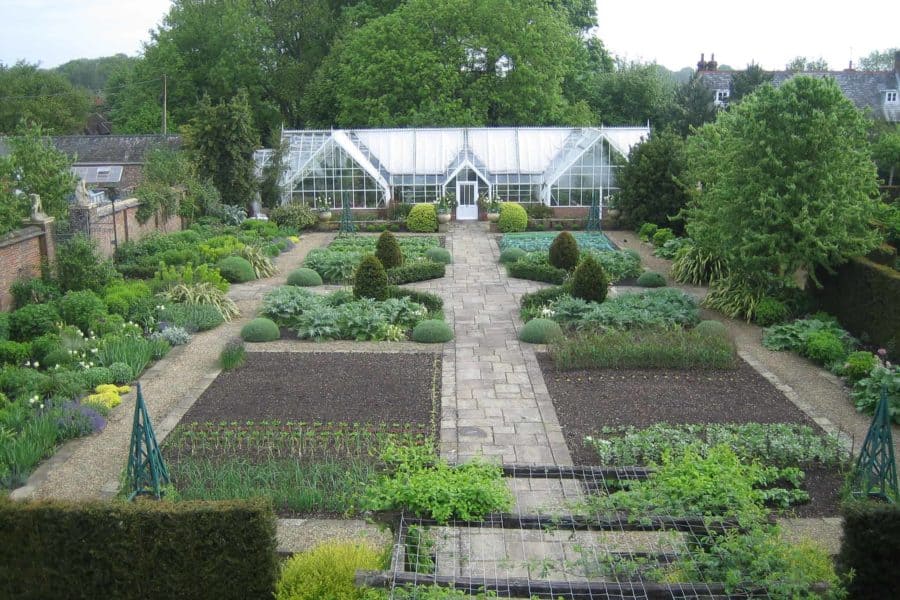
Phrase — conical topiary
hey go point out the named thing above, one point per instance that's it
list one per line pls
(388, 250)
(590, 281)
(370, 280)
(564, 251)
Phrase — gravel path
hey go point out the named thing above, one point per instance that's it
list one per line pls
(827, 394)
(90, 468)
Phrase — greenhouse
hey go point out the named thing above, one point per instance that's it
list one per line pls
(371, 168)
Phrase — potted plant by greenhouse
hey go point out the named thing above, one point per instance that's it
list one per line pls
(324, 205)
(493, 209)
(445, 204)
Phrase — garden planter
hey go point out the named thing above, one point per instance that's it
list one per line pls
(443, 218)
(325, 216)
(493, 217)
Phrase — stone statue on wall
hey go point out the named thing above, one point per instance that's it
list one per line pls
(37, 209)
(81, 194)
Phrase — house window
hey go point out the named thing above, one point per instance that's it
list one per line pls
(890, 97)
(722, 96)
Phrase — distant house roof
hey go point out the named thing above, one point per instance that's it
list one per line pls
(866, 89)
(107, 149)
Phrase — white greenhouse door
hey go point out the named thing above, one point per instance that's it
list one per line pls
(466, 194)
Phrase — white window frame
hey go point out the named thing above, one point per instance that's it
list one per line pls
(890, 97)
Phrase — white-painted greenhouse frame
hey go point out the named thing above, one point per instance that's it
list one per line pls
(371, 168)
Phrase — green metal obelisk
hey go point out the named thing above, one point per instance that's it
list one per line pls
(593, 223)
(147, 472)
(876, 469)
(347, 225)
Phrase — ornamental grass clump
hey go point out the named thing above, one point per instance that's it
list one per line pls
(260, 330)
(590, 282)
(233, 355)
(564, 251)
(388, 251)
(370, 280)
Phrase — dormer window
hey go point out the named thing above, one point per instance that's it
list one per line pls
(890, 97)
(722, 97)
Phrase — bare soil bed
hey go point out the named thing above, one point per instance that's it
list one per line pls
(351, 387)
(587, 400)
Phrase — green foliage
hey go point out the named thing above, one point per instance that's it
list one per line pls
(427, 486)
(858, 365)
(327, 571)
(121, 373)
(824, 347)
(432, 302)
(370, 280)
(387, 250)
(304, 277)
(432, 331)
(513, 218)
(646, 231)
(770, 311)
(79, 265)
(651, 279)
(122, 297)
(711, 329)
(416, 271)
(523, 269)
(390, 71)
(33, 290)
(208, 551)
(439, 255)
(192, 317)
(422, 218)
(295, 215)
(644, 349)
(869, 549)
(769, 221)
(260, 330)
(511, 255)
(133, 351)
(538, 210)
(777, 444)
(168, 276)
(697, 266)
(542, 297)
(81, 309)
(564, 252)
(864, 296)
(540, 331)
(632, 92)
(736, 296)
(223, 137)
(744, 83)
(263, 266)
(170, 183)
(693, 105)
(14, 353)
(649, 189)
(867, 391)
(4, 326)
(661, 236)
(589, 281)
(233, 355)
(236, 269)
(32, 321)
(665, 308)
(22, 381)
(669, 250)
(41, 96)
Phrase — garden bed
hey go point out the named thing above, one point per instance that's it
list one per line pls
(588, 400)
(328, 387)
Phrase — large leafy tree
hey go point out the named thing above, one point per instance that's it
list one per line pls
(452, 62)
(743, 83)
(632, 94)
(33, 166)
(692, 107)
(886, 151)
(223, 138)
(801, 64)
(878, 60)
(30, 94)
(92, 73)
(786, 182)
(649, 186)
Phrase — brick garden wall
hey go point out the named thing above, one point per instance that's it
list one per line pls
(21, 252)
(109, 228)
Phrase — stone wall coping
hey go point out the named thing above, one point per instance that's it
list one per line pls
(121, 205)
(20, 235)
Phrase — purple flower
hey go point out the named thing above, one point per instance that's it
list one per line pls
(882, 352)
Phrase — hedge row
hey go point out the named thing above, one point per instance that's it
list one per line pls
(143, 550)
(416, 271)
(536, 272)
(870, 546)
(864, 297)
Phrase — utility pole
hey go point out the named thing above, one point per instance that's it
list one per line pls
(165, 103)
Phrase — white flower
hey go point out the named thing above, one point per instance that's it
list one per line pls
(36, 364)
(94, 350)
(27, 363)
(42, 406)
(32, 400)
(57, 366)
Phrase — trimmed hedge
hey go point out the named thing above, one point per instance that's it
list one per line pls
(439, 255)
(564, 251)
(416, 271)
(422, 218)
(542, 297)
(536, 272)
(260, 329)
(870, 546)
(432, 331)
(511, 255)
(140, 551)
(651, 279)
(432, 302)
(388, 250)
(590, 282)
(512, 218)
(236, 269)
(540, 331)
(864, 296)
(370, 280)
(304, 277)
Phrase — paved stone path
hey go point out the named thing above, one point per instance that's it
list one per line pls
(495, 403)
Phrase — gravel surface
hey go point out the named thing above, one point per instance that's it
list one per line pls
(96, 462)
(325, 387)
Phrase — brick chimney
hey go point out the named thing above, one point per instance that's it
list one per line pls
(712, 65)
(701, 66)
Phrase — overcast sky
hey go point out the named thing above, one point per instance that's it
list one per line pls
(671, 32)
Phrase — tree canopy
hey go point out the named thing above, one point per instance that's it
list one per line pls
(632, 93)
(801, 64)
(878, 60)
(452, 62)
(34, 95)
(743, 83)
(786, 181)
